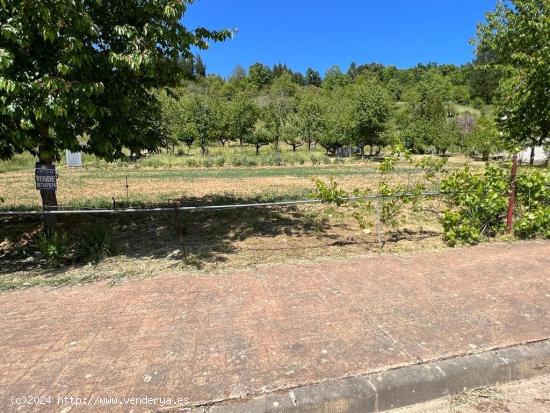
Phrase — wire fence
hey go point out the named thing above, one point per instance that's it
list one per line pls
(183, 208)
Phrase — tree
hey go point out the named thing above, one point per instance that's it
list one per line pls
(220, 113)
(311, 117)
(371, 111)
(352, 70)
(242, 116)
(290, 132)
(428, 127)
(485, 138)
(260, 75)
(173, 117)
(78, 75)
(283, 85)
(200, 67)
(334, 78)
(482, 77)
(517, 35)
(313, 78)
(200, 121)
(339, 126)
(276, 114)
(260, 136)
(237, 74)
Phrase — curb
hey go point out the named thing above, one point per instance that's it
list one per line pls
(400, 387)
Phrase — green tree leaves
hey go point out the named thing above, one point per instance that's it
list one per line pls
(517, 35)
(78, 75)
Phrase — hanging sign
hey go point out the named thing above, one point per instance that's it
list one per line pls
(45, 177)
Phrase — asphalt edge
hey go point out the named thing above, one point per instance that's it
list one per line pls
(401, 387)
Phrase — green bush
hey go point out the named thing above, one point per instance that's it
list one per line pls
(95, 244)
(275, 159)
(251, 161)
(533, 205)
(478, 205)
(220, 161)
(208, 162)
(53, 247)
(533, 224)
(317, 159)
(192, 162)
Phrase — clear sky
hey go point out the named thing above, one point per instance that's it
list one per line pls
(322, 33)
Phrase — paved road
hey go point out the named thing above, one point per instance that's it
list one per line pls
(210, 338)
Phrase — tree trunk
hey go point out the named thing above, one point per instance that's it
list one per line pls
(293, 148)
(257, 150)
(362, 152)
(532, 157)
(49, 198)
(371, 149)
(485, 156)
(309, 145)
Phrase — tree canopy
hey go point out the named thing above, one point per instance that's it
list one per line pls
(78, 75)
(517, 36)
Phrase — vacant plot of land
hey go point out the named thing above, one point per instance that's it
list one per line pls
(214, 241)
(98, 187)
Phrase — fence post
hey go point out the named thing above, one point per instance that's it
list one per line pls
(178, 228)
(378, 222)
(512, 198)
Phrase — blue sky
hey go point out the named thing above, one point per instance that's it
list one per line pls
(322, 33)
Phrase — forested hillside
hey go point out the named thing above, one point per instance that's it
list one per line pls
(429, 108)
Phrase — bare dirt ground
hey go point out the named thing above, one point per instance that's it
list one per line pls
(530, 396)
(278, 326)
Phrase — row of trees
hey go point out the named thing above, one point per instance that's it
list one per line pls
(338, 112)
(469, 83)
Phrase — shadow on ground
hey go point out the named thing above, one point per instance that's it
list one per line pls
(207, 235)
(212, 240)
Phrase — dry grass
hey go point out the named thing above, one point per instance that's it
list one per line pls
(214, 241)
(97, 187)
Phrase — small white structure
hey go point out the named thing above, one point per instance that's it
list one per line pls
(74, 159)
(540, 155)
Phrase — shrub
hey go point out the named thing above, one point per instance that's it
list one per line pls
(250, 161)
(533, 224)
(208, 162)
(316, 159)
(53, 247)
(192, 162)
(387, 165)
(533, 205)
(274, 160)
(477, 205)
(220, 161)
(95, 244)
